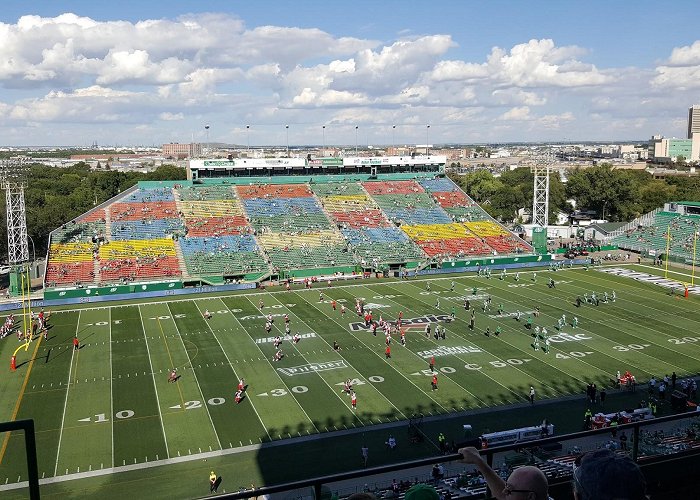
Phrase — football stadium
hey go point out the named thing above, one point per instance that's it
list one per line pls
(275, 320)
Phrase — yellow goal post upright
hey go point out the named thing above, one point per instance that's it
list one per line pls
(668, 248)
(26, 317)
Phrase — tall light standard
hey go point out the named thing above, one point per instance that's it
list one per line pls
(206, 128)
(287, 127)
(356, 127)
(247, 138)
(393, 138)
(33, 250)
(323, 127)
(427, 140)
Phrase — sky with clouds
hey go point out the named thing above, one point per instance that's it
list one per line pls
(374, 72)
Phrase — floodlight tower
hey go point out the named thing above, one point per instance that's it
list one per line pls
(540, 201)
(540, 198)
(13, 175)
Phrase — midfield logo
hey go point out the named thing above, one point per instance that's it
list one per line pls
(422, 320)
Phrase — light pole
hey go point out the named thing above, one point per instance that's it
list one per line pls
(356, 127)
(323, 127)
(427, 140)
(393, 138)
(605, 202)
(206, 127)
(247, 138)
(287, 127)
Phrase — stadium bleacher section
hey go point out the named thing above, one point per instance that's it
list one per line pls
(138, 260)
(228, 255)
(193, 230)
(653, 237)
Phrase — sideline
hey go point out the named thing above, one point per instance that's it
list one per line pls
(19, 398)
(282, 442)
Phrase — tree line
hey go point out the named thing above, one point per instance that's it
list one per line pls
(54, 196)
(614, 194)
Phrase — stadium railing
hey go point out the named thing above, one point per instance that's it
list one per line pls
(321, 487)
(30, 448)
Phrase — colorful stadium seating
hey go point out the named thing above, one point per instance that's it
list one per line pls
(138, 260)
(189, 231)
(227, 255)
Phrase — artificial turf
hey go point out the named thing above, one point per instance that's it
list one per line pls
(109, 405)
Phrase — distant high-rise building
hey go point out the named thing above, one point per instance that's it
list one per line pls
(693, 120)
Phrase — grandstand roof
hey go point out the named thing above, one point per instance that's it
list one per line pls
(691, 203)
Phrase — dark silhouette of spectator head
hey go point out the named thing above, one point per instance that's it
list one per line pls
(363, 495)
(422, 492)
(606, 475)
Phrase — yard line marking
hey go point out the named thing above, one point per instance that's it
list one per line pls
(269, 363)
(170, 357)
(111, 389)
(206, 407)
(20, 396)
(418, 299)
(349, 364)
(65, 403)
(608, 341)
(374, 351)
(160, 416)
(234, 371)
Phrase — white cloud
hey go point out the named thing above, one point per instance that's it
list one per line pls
(685, 56)
(171, 117)
(213, 68)
(517, 114)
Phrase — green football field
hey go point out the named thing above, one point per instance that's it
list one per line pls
(110, 407)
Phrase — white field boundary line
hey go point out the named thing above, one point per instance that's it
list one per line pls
(193, 295)
(111, 384)
(268, 362)
(235, 375)
(194, 374)
(155, 388)
(282, 442)
(320, 337)
(65, 403)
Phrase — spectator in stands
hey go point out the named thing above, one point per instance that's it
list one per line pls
(421, 492)
(605, 475)
(530, 482)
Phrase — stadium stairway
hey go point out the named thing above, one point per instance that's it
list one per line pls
(108, 223)
(181, 261)
(96, 270)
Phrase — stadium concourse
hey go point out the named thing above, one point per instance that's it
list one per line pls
(234, 230)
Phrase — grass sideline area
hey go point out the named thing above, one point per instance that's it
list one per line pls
(109, 405)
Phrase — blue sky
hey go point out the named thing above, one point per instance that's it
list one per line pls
(127, 73)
